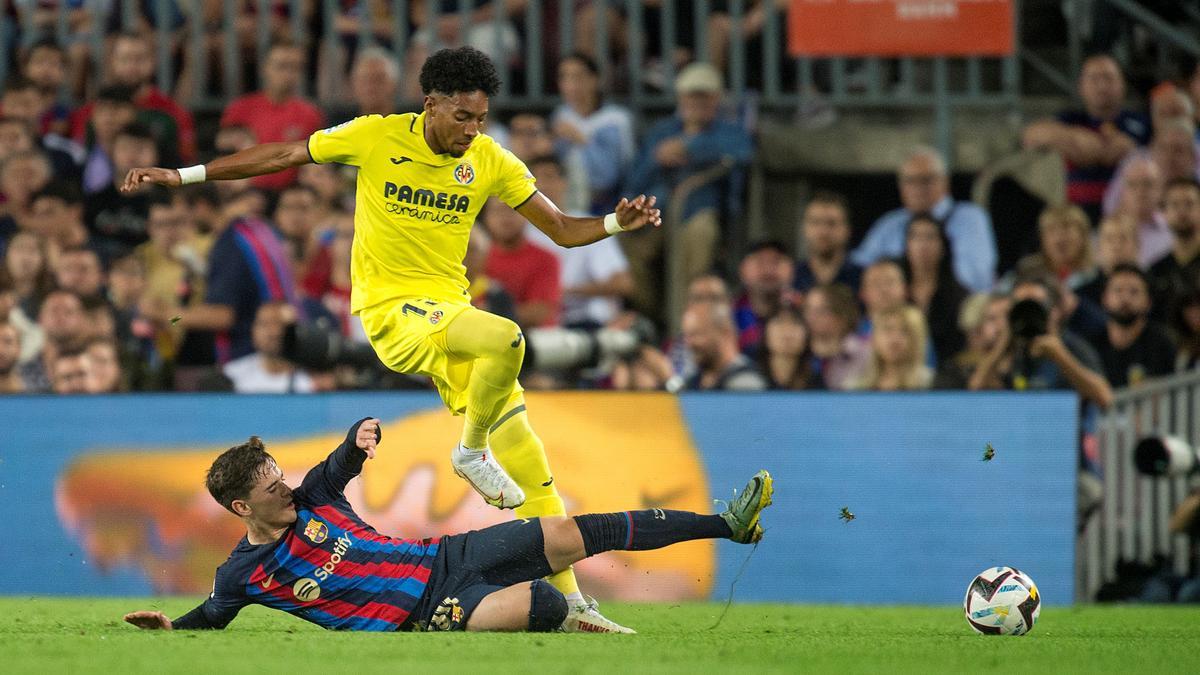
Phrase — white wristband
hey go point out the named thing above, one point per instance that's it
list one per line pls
(192, 174)
(611, 225)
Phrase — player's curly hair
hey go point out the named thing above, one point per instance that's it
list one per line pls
(233, 474)
(455, 71)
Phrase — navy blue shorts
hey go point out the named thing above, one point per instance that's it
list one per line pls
(475, 564)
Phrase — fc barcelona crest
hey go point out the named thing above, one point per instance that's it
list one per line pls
(316, 531)
(464, 173)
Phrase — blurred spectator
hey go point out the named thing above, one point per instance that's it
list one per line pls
(594, 136)
(1173, 150)
(1171, 275)
(1055, 359)
(104, 365)
(1092, 140)
(61, 319)
(113, 111)
(1141, 200)
(786, 356)
(296, 216)
(1132, 348)
(932, 287)
(673, 150)
(1185, 323)
(99, 321)
(173, 255)
(884, 288)
(246, 267)
(10, 351)
(126, 287)
(825, 230)
(1116, 244)
(117, 219)
(708, 288)
(982, 319)
(56, 213)
(70, 372)
(486, 293)
(21, 175)
(708, 332)
(439, 24)
(375, 81)
(897, 361)
(648, 370)
(277, 113)
(27, 266)
(326, 180)
(44, 63)
(595, 279)
(22, 101)
(79, 271)
(527, 271)
(839, 355)
(131, 64)
(1168, 101)
(15, 136)
(265, 371)
(30, 335)
(528, 136)
(925, 188)
(327, 277)
(1066, 246)
(767, 273)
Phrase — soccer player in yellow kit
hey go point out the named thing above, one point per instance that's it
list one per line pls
(422, 180)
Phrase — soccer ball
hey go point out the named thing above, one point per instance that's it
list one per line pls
(1002, 601)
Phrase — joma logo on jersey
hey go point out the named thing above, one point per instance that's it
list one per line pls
(405, 194)
(342, 545)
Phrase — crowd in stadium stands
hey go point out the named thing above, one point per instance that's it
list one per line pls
(196, 288)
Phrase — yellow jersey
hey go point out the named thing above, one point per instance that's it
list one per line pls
(414, 209)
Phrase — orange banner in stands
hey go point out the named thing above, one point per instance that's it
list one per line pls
(900, 27)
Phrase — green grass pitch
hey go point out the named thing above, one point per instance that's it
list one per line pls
(57, 635)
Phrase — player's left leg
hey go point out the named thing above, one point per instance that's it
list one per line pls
(523, 456)
(535, 606)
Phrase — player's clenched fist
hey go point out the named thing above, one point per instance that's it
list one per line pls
(153, 175)
(367, 437)
(149, 620)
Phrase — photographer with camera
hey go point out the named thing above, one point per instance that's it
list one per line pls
(1033, 352)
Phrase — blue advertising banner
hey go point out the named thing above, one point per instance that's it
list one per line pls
(105, 495)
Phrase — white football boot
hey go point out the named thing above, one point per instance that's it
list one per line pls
(585, 617)
(488, 478)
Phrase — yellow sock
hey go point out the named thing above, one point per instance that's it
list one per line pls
(496, 346)
(523, 456)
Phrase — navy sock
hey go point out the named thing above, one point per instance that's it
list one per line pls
(645, 530)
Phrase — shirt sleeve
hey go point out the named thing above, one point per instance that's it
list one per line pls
(347, 143)
(221, 607)
(878, 242)
(514, 183)
(606, 259)
(326, 482)
(974, 244)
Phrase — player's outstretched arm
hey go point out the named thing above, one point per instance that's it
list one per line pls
(253, 161)
(569, 231)
(149, 620)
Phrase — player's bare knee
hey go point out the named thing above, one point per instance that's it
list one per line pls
(547, 607)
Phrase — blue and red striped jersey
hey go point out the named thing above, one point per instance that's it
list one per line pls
(331, 568)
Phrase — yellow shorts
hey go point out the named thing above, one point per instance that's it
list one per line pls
(402, 332)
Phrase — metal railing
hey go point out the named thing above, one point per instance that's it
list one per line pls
(1132, 521)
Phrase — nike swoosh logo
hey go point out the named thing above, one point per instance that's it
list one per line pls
(517, 343)
(267, 583)
(549, 482)
(402, 160)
